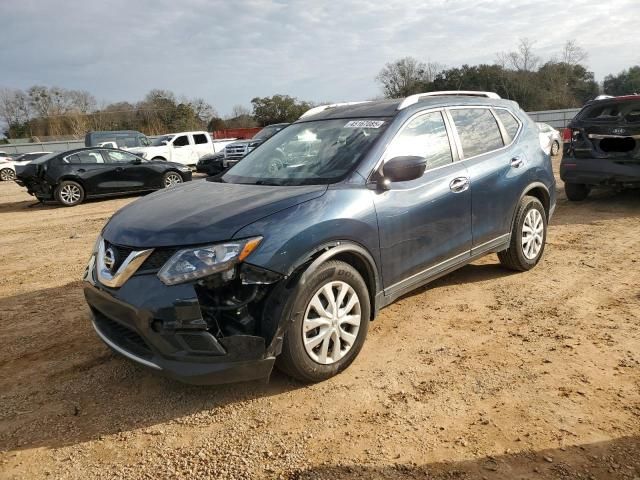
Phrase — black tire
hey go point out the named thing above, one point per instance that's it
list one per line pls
(576, 192)
(69, 193)
(294, 359)
(166, 179)
(7, 174)
(514, 257)
(159, 158)
(555, 148)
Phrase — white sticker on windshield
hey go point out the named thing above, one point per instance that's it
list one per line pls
(364, 124)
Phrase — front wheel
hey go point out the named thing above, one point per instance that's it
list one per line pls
(69, 193)
(171, 179)
(576, 192)
(7, 174)
(555, 148)
(528, 236)
(331, 313)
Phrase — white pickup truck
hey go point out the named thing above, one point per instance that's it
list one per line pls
(184, 147)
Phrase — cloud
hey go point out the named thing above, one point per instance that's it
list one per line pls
(229, 52)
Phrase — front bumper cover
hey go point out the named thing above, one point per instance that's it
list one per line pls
(161, 327)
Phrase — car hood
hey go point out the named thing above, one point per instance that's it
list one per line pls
(245, 142)
(200, 212)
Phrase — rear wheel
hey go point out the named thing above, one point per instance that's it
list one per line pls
(69, 193)
(555, 148)
(576, 192)
(171, 179)
(7, 174)
(331, 317)
(528, 236)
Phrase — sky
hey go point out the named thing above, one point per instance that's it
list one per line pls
(228, 52)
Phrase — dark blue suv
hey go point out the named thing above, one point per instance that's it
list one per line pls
(287, 257)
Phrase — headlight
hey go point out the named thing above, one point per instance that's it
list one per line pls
(193, 263)
(184, 169)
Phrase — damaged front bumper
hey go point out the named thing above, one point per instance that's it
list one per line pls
(209, 332)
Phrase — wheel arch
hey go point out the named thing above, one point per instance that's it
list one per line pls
(159, 157)
(349, 252)
(72, 178)
(541, 192)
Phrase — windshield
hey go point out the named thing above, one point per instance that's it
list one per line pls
(161, 140)
(267, 132)
(309, 153)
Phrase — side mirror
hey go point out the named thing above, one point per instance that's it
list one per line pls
(403, 169)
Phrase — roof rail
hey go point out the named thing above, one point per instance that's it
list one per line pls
(411, 99)
(321, 108)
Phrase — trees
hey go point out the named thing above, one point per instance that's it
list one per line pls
(407, 76)
(520, 75)
(624, 83)
(278, 109)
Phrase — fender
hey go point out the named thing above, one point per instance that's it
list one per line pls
(549, 208)
(333, 249)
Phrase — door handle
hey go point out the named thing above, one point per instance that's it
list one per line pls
(81, 170)
(459, 184)
(516, 162)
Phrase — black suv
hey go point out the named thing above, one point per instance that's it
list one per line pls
(292, 252)
(604, 147)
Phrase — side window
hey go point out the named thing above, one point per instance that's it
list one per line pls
(424, 136)
(511, 125)
(477, 129)
(114, 156)
(199, 138)
(84, 158)
(181, 141)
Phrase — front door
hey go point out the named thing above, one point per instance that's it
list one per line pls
(424, 224)
(182, 150)
(130, 172)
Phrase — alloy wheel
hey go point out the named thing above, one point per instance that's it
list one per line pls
(532, 234)
(70, 194)
(331, 322)
(172, 180)
(7, 174)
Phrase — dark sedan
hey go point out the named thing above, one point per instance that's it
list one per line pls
(70, 177)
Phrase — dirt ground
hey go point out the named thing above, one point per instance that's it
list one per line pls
(482, 374)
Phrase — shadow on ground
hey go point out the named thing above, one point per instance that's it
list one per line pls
(615, 459)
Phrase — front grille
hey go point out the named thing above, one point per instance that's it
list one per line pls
(156, 260)
(123, 336)
(235, 152)
(120, 254)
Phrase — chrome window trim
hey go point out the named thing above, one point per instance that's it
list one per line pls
(95, 150)
(128, 267)
(122, 351)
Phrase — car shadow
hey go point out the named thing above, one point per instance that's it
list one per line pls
(56, 374)
(617, 458)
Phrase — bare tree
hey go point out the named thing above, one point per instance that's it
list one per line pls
(573, 54)
(407, 76)
(522, 60)
(14, 107)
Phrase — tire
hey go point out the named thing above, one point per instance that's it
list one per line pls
(576, 192)
(6, 174)
(522, 256)
(171, 179)
(69, 193)
(555, 148)
(315, 362)
(159, 158)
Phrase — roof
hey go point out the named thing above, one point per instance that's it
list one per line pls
(389, 108)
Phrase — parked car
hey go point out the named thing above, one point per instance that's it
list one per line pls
(550, 138)
(604, 147)
(72, 176)
(211, 163)
(185, 147)
(291, 253)
(122, 139)
(236, 151)
(8, 166)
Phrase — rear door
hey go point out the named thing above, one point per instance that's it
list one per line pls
(202, 145)
(496, 166)
(424, 224)
(92, 170)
